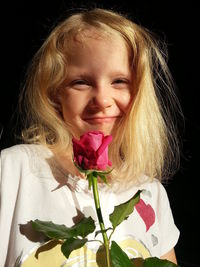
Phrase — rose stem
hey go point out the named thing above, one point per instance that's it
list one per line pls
(100, 218)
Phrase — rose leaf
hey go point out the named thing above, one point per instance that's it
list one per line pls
(153, 261)
(57, 231)
(51, 229)
(122, 211)
(72, 244)
(103, 178)
(119, 257)
(138, 262)
(83, 228)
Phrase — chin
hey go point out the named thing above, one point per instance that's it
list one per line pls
(105, 130)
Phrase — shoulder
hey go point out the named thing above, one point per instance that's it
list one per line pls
(20, 164)
(155, 187)
(14, 150)
(23, 151)
(156, 191)
(148, 187)
(152, 192)
(14, 159)
(13, 155)
(22, 156)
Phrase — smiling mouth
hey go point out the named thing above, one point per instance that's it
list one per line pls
(100, 120)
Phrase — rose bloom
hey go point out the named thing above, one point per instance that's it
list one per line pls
(91, 151)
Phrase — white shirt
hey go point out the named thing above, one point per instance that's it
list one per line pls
(33, 186)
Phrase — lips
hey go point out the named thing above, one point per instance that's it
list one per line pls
(100, 120)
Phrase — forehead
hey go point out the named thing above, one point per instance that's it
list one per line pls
(102, 32)
(82, 38)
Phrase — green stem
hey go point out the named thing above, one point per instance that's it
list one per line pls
(100, 218)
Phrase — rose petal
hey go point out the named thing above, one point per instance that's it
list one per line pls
(91, 151)
(106, 141)
(92, 140)
(109, 163)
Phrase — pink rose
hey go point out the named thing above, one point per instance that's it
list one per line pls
(91, 152)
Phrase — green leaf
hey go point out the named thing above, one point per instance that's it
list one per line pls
(101, 256)
(83, 228)
(153, 261)
(119, 257)
(105, 172)
(72, 244)
(122, 211)
(56, 231)
(138, 262)
(103, 178)
(51, 229)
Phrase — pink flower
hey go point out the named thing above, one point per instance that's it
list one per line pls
(91, 151)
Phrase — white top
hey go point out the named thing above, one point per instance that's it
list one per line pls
(34, 186)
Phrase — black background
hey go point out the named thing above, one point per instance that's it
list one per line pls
(24, 26)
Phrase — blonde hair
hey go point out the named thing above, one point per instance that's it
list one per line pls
(145, 141)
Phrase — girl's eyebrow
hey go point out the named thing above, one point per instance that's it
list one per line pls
(124, 74)
(81, 73)
(121, 73)
(77, 73)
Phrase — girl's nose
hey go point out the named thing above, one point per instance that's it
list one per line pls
(102, 98)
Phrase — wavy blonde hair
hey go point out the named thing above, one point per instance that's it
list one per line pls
(145, 142)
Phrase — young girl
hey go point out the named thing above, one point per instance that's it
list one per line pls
(97, 70)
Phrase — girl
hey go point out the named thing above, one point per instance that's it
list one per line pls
(97, 70)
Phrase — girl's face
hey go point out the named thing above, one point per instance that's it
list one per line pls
(97, 90)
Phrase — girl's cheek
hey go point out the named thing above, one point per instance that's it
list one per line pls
(125, 101)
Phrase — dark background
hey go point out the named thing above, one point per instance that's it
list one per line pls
(24, 26)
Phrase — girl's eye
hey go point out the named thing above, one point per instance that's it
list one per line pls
(79, 84)
(121, 83)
